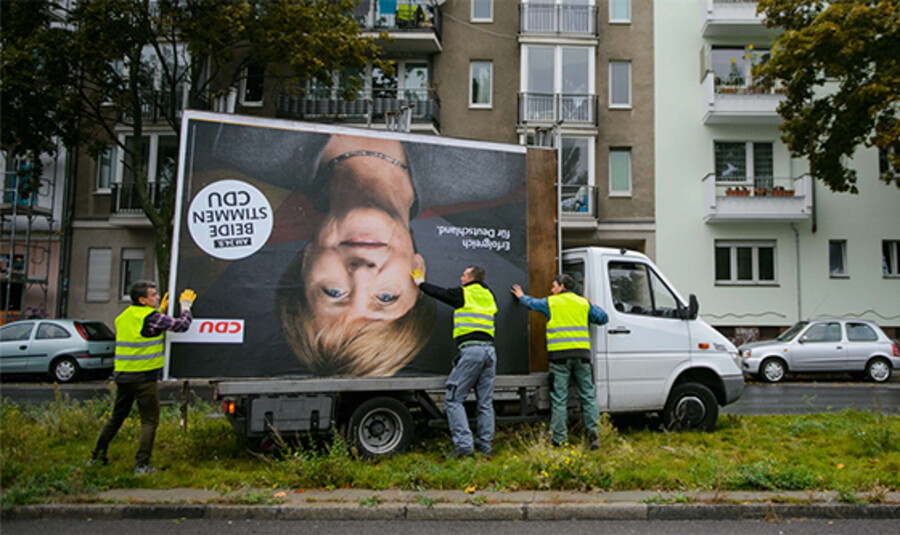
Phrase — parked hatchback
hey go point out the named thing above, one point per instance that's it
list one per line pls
(825, 345)
(62, 348)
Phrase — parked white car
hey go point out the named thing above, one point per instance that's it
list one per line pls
(825, 345)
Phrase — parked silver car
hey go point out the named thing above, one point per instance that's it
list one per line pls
(825, 345)
(62, 348)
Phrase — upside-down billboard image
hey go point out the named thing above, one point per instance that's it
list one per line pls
(299, 240)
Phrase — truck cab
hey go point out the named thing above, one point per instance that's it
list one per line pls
(656, 353)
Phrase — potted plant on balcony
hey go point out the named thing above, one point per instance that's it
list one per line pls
(779, 191)
(737, 191)
(760, 192)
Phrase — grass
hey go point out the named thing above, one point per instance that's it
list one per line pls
(43, 453)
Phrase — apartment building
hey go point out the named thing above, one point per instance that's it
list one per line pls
(740, 222)
(573, 74)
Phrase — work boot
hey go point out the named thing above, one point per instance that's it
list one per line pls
(595, 442)
(458, 454)
(98, 460)
(144, 470)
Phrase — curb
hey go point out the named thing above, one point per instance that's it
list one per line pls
(756, 511)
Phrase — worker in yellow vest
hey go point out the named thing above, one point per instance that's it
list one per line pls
(476, 363)
(140, 332)
(569, 352)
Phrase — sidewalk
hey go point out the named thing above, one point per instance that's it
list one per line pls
(357, 504)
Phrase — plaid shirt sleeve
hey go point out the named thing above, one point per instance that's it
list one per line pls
(158, 322)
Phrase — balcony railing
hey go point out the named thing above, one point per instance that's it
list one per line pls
(370, 105)
(557, 19)
(760, 198)
(552, 107)
(400, 16)
(124, 198)
(733, 18)
(24, 196)
(579, 201)
(739, 103)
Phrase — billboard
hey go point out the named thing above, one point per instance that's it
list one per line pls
(299, 240)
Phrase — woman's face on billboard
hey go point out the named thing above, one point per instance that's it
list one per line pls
(358, 265)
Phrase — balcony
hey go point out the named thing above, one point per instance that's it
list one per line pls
(757, 199)
(414, 26)
(564, 20)
(734, 18)
(578, 206)
(549, 108)
(325, 105)
(125, 206)
(740, 104)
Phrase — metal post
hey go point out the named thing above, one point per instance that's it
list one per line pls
(559, 258)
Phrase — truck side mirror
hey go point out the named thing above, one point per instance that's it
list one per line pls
(689, 312)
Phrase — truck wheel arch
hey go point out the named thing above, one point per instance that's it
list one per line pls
(704, 376)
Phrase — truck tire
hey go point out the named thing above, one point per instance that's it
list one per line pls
(690, 406)
(381, 426)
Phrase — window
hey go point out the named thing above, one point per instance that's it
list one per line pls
(482, 10)
(620, 172)
(823, 332)
(745, 263)
(15, 332)
(106, 168)
(131, 272)
(745, 161)
(576, 271)
(637, 289)
(619, 11)
(48, 331)
(558, 83)
(860, 332)
(576, 167)
(620, 84)
(252, 85)
(481, 75)
(732, 65)
(837, 258)
(890, 258)
(98, 274)
(160, 155)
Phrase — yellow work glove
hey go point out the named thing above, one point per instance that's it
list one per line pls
(187, 299)
(164, 303)
(418, 276)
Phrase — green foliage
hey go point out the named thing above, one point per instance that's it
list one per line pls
(372, 501)
(774, 475)
(839, 64)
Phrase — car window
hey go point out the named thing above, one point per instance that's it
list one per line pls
(860, 332)
(51, 330)
(637, 289)
(16, 331)
(824, 332)
(576, 271)
(789, 334)
(96, 331)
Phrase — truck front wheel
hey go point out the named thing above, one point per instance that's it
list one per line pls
(691, 406)
(381, 426)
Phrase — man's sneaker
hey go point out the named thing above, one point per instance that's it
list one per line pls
(98, 460)
(458, 454)
(144, 470)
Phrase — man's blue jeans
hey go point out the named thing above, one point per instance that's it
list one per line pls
(475, 366)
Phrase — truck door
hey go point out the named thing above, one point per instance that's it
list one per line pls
(575, 266)
(645, 339)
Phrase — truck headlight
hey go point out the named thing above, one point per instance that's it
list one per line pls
(736, 356)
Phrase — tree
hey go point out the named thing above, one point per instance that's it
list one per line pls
(839, 62)
(138, 62)
(36, 104)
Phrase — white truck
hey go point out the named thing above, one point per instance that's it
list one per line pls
(655, 354)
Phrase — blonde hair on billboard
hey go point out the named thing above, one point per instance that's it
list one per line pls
(358, 348)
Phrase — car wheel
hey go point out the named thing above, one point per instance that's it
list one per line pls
(691, 406)
(772, 370)
(878, 370)
(64, 370)
(381, 426)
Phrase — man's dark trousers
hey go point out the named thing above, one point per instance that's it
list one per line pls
(147, 397)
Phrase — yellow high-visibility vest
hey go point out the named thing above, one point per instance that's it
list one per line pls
(568, 325)
(477, 313)
(135, 353)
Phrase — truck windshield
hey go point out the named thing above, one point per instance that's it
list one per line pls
(791, 333)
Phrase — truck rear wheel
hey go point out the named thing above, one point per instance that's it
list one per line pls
(381, 426)
(691, 406)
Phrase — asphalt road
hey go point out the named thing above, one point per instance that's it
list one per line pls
(799, 396)
(412, 527)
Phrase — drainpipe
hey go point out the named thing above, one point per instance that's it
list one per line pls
(797, 247)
